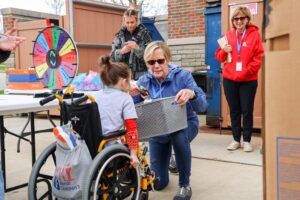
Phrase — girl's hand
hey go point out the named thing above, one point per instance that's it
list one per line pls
(184, 95)
(138, 90)
(227, 48)
(134, 159)
(134, 91)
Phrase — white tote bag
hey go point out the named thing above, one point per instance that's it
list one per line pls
(71, 166)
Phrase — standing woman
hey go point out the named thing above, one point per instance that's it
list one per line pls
(241, 74)
(130, 42)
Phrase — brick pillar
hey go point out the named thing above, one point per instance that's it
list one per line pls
(186, 36)
(8, 23)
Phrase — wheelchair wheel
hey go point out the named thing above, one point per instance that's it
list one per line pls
(39, 185)
(111, 176)
(144, 195)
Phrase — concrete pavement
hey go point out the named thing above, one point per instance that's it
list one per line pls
(217, 174)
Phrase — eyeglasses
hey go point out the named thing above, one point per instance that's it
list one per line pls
(239, 18)
(159, 61)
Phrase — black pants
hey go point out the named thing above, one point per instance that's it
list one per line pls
(240, 97)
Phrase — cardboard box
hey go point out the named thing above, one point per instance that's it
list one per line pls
(282, 102)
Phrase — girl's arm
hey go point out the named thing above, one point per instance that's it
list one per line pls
(132, 136)
(132, 139)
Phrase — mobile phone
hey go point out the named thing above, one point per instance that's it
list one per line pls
(143, 91)
(2, 37)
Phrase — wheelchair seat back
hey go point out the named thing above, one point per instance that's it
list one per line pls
(86, 122)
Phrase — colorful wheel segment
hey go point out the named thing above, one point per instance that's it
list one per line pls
(55, 58)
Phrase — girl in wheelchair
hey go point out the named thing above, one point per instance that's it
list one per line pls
(116, 106)
(118, 171)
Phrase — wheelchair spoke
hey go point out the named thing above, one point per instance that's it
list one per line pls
(46, 195)
(123, 174)
(54, 158)
(115, 169)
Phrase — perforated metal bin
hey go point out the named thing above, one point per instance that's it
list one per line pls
(160, 117)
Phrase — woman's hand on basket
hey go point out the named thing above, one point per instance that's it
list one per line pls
(184, 95)
(134, 159)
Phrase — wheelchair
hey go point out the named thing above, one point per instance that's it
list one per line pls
(110, 176)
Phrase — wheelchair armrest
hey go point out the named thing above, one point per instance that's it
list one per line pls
(114, 134)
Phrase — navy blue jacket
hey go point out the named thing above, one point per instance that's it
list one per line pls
(4, 55)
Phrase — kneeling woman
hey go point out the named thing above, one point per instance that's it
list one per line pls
(164, 80)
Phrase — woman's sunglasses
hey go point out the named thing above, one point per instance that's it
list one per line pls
(239, 18)
(159, 61)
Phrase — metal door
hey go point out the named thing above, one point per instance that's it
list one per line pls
(150, 26)
(212, 33)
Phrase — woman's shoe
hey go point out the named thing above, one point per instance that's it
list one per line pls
(234, 145)
(247, 147)
(184, 193)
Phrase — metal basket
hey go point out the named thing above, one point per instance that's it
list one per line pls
(160, 117)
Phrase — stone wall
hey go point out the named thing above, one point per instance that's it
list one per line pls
(188, 52)
(161, 23)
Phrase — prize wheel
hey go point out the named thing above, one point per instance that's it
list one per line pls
(55, 58)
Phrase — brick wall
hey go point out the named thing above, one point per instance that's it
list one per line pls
(186, 33)
(13, 15)
(186, 18)
(8, 23)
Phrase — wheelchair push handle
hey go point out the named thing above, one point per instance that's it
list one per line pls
(47, 100)
(83, 99)
(80, 100)
(50, 98)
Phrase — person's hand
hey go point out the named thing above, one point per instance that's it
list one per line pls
(12, 42)
(125, 49)
(134, 161)
(138, 90)
(132, 45)
(227, 48)
(134, 90)
(184, 95)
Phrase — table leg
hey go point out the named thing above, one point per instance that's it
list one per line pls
(32, 137)
(2, 132)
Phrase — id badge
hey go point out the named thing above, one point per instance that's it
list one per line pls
(238, 66)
